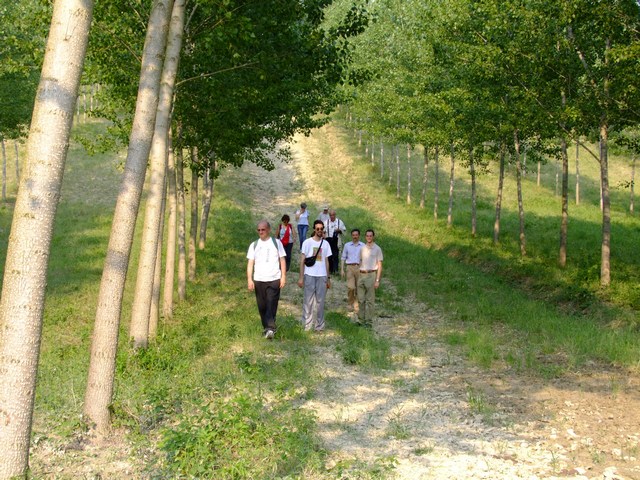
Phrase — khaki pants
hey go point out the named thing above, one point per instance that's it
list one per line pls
(353, 275)
(367, 297)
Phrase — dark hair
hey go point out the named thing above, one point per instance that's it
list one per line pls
(371, 230)
(285, 218)
(318, 222)
(355, 230)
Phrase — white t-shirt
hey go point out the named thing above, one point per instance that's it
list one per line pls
(266, 257)
(303, 218)
(309, 248)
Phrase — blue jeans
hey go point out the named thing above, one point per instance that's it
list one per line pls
(302, 233)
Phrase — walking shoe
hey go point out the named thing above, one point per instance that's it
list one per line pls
(269, 334)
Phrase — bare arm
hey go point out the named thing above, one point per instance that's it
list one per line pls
(250, 284)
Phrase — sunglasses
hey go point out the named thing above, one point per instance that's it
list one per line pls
(262, 229)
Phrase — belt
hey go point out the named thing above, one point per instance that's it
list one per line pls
(368, 271)
(351, 264)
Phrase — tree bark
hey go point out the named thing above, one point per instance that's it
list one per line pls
(577, 172)
(632, 182)
(397, 171)
(381, 159)
(436, 190)
(539, 170)
(523, 239)
(206, 204)
(15, 144)
(451, 183)
(4, 170)
(141, 308)
(605, 257)
(170, 257)
(496, 223)
(425, 176)
(193, 230)
(25, 276)
(474, 199)
(564, 223)
(182, 255)
(154, 314)
(408, 174)
(100, 383)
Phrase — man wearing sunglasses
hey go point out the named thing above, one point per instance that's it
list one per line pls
(314, 279)
(266, 275)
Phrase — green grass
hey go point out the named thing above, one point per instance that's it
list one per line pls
(527, 311)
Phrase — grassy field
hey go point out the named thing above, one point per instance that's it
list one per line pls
(211, 391)
(526, 311)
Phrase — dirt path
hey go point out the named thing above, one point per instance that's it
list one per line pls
(434, 416)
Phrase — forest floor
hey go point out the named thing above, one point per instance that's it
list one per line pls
(434, 415)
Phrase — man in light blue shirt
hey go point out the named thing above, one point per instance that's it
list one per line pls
(351, 258)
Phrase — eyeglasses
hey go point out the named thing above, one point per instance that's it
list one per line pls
(262, 229)
(319, 229)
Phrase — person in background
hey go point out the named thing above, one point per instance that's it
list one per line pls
(333, 230)
(323, 216)
(314, 279)
(369, 281)
(302, 218)
(351, 264)
(286, 236)
(266, 275)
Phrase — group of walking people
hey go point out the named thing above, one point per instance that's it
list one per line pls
(269, 260)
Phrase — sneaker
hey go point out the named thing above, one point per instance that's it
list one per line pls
(269, 334)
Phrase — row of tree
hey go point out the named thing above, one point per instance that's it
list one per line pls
(491, 77)
(226, 80)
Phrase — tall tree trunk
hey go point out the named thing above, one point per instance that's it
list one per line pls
(523, 239)
(25, 275)
(100, 383)
(539, 170)
(397, 171)
(193, 227)
(206, 204)
(451, 183)
(474, 197)
(158, 165)
(381, 159)
(496, 223)
(577, 172)
(605, 266)
(564, 223)
(557, 177)
(408, 174)
(632, 183)
(425, 176)
(182, 250)
(373, 151)
(154, 314)
(4, 170)
(170, 257)
(436, 190)
(15, 144)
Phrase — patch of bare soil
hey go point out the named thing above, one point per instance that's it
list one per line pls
(435, 416)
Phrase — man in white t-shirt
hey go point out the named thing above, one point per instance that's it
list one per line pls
(266, 275)
(369, 279)
(315, 279)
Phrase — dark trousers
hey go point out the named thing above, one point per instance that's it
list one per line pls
(268, 296)
(288, 249)
(334, 260)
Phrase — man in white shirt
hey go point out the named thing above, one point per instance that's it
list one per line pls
(314, 279)
(266, 275)
(333, 230)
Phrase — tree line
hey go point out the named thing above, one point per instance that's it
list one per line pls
(486, 79)
(224, 82)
